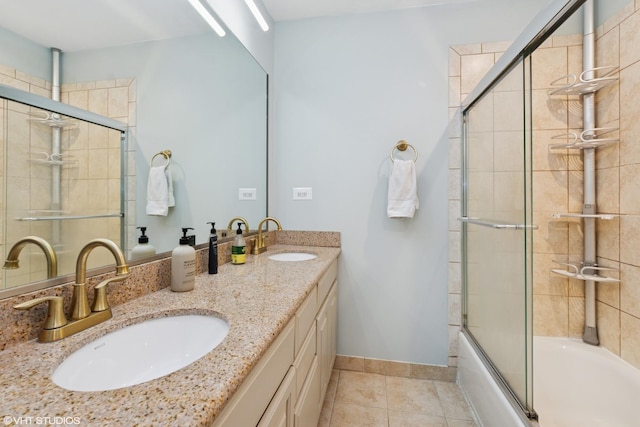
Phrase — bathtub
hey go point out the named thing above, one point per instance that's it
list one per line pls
(575, 385)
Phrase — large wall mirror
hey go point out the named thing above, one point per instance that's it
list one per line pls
(178, 86)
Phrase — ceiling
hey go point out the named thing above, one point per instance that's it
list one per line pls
(103, 23)
(282, 10)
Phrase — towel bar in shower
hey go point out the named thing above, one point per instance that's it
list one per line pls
(496, 225)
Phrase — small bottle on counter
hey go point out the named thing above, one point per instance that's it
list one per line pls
(239, 248)
(213, 249)
(183, 265)
(143, 248)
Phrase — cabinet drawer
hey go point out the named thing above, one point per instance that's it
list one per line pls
(309, 404)
(252, 398)
(305, 316)
(305, 358)
(326, 281)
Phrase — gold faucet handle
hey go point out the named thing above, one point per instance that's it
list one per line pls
(55, 315)
(100, 302)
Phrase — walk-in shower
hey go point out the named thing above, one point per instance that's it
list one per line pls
(549, 165)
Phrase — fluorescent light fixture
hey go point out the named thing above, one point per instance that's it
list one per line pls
(208, 17)
(256, 14)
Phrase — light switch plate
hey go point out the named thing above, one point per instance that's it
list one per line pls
(302, 193)
(247, 194)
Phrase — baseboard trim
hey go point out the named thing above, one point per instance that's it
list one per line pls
(396, 369)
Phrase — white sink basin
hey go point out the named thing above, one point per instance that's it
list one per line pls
(292, 256)
(140, 352)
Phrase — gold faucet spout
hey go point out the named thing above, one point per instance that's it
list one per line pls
(52, 260)
(260, 246)
(80, 301)
(241, 219)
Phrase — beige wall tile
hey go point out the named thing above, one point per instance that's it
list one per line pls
(629, 138)
(629, 40)
(545, 159)
(629, 89)
(454, 91)
(629, 237)
(608, 238)
(608, 190)
(548, 65)
(608, 321)
(99, 101)
(349, 363)
(495, 46)
(550, 191)
(629, 184)
(118, 102)
(386, 367)
(550, 315)
(630, 340)
(550, 113)
(545, 281)
(508, 111)
(630, 289)
(473, 68)
(576, 316)
(552, 236)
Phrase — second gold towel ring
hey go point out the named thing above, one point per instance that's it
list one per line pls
(402, 145)
(164, 153)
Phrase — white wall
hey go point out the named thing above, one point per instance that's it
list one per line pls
(346, 90)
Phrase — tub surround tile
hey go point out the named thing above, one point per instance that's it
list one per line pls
(257, 299)
(608, 321)
(630, 342)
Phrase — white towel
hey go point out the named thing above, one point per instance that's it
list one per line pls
(172, 200)
(158, 191)
(402, 199)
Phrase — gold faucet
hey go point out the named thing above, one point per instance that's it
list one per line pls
(241, 219)
(56, 326)
(52, 260)
(260, 246)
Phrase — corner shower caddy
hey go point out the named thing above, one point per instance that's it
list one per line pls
(588, 139)
(585, 86)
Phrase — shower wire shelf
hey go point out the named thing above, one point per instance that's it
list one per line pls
(589, 138)
(578, 215)
(45, 158)
(587, 82)
(53, 120)
(579, 272)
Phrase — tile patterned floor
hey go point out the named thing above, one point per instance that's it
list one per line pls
(363, 399)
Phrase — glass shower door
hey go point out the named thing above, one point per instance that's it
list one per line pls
(497, 248)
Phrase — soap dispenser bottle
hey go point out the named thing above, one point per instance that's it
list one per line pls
(239, 248)
(143, 248)
(213, 249)
(183, 265)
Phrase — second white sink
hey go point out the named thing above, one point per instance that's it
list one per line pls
(292, 256)
(141, 352)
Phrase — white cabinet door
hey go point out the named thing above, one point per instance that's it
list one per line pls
(280, 410)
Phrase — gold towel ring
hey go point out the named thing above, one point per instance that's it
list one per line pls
(402, 145)
(164, 153)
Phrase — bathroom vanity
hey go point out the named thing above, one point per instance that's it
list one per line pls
(272, 368)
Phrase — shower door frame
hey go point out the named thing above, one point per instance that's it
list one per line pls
(519, 52)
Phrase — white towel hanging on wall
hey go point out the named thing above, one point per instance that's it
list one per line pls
(402, 197)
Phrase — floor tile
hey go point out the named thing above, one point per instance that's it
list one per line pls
(363, 389)
(357, 398)
(348, 415)
(414, 419)
(413, 395)
(453, 401)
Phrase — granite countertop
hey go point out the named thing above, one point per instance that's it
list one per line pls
(257, 299)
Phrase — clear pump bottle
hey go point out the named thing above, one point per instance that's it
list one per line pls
(239, 248)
